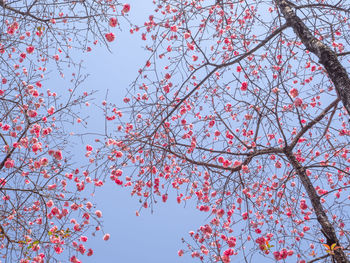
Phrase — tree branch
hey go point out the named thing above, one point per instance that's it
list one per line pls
(327, 57)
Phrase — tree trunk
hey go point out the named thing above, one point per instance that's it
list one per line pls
(326, 227)
(326, 56)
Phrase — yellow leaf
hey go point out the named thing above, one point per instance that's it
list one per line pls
(267, 246)
(40, 29)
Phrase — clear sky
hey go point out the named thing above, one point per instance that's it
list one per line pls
(153, 237)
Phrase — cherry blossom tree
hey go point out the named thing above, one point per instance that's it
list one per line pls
(242, 106)
(44, 214)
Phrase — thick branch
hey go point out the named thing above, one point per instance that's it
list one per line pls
(312, 123)
(326, 227)
(25, 14)
(327, 57)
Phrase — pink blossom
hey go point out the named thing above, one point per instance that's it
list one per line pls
(244, 86)
(58, 155)
(52, 187)
(277, 255)
(74, 259)
(278, 164)
(190, 46)
(173, 28)
(113, 22)
(9, 163)
(110, 37)
(98, 213)
(77, 227)
(298, 102)
(81, 249)
(245, 216)
(126, 8)
(293, 92)
(303, 204)
(90, 252)
(89, 148)
(44, 161)
(30, 49)
(49, 203)
(51, 110)
(32, 113)
(36, 147)
(58, 249)
(187, 35)
(89, 205)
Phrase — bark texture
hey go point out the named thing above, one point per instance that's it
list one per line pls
(341, 81)
(326, 56)
(327, 228)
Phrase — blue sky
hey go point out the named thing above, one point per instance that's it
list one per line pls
(151, 237)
